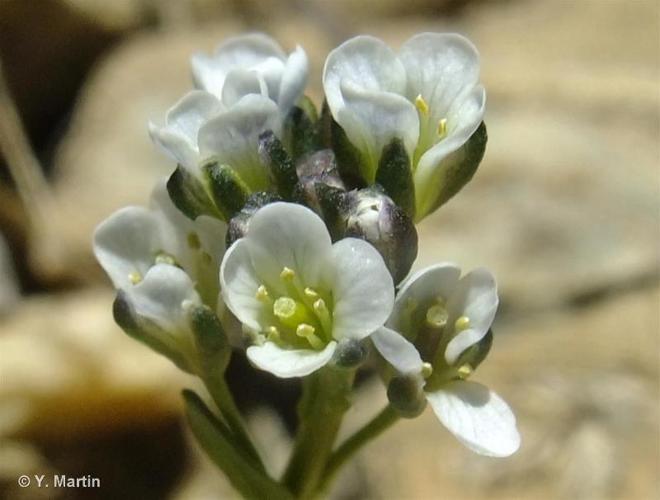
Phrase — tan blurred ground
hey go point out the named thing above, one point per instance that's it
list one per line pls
(564, 209)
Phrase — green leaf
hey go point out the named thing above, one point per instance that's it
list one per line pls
(394, 174)
(228, 189)
(454, 172)
(279, 163)
(189, 195)
(217, 441)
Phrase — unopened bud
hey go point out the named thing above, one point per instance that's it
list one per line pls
(227, 188)
(350, 353)
(374, 217)
(316, 170)
(278, 162)
(238, 225)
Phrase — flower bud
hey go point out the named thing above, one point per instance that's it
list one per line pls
(374, 217)
(406, 395)
(313, 171)
(394, 174)
(189, 195)
(212, 344)
(350, 353)
(238, 224)
(301, 134)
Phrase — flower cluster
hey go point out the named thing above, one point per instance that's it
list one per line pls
(289, 234)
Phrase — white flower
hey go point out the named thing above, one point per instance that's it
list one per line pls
(428, 96)
(134, 239)
(300, 293)
(246, 87)
(436, 319)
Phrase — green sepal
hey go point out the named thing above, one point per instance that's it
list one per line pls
(476, 353)
(301, 133)
(350, 353)
(218, 442)
(350, 162)
(394, 174)
(189, 195)
(334, 206)
(229, 191)
(278, 162)
(457, 170)
(145, 331)
(211, 341)
(406, 395)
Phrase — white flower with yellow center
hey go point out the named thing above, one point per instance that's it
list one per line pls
(428, 96)
(300, 294)
(436, 334)
(134, 239)
(246, 87)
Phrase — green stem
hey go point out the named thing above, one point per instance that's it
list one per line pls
(224, 400)
(376, 426)
(321, 410)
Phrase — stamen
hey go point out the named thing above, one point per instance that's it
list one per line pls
(442, 128)
(165, 258)
(291, 312)
(307, 332)
(462, 323)
(311, 293)
(427, 370)
(437, 316)
(273, 334)
(135, 277)
(465, 371)
(287, 274)
(262, 295)
(421, 105)
(323, 314)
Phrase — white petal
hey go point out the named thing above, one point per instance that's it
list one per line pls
(478, 417)
(294, 80)
(372, 119)
(239, 284)
(362, 289)
(241, 82)
(440, 67)
(475, 297)
(232, 137)
(366, 62)
(287, 363)
(245, 51)
(162, 296)
(397, 351)
(288, 235)
(462, 121)
(125, 244)
(178, 138)
(424, 287)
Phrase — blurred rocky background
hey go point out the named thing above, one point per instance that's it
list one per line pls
(565, 209)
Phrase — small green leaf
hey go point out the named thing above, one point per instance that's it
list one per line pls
(228, 189)
(279, 163)
(218, 443)
(188, 195)
(395, 176)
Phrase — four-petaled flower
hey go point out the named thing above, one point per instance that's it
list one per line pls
(246, 87)
(300, 294)
(439, 332)
(428, 97)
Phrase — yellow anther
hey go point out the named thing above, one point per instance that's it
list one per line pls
(465, 371)
(311, 293)
(442, 128)
(307, 332)
(262, 294)
(135, 277)
(287, 274)
(437, 316)
(421, 105)
(165, 258)
(323, 314)
(462, 323)
(427, 370)
(193, 241)
(290, 312)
